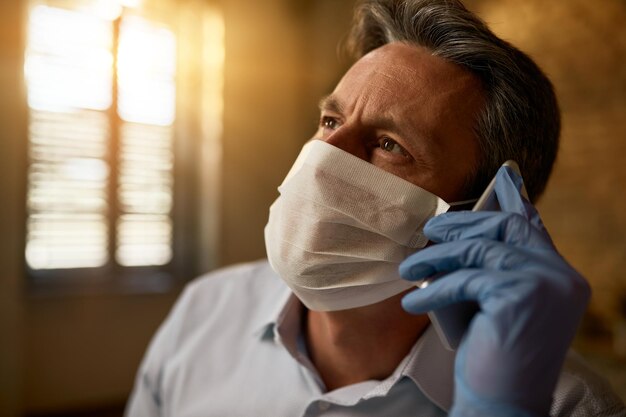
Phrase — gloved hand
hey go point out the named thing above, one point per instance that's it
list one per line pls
(531, 301)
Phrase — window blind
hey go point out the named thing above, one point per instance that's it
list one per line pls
(146, 85)
(71, 79)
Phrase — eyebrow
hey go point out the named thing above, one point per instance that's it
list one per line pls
(330, 102)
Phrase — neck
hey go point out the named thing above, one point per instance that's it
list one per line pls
(360, 344)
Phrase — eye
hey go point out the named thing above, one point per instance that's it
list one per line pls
(389, 145)
(328, 122)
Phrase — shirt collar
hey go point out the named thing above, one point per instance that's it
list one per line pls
(263, 325)
(429, 364)
(431, 367)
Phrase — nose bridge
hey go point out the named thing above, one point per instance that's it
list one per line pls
(350, 138)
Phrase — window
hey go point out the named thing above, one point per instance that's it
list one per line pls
(101, 85)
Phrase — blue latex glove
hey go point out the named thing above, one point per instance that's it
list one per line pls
(531, 301)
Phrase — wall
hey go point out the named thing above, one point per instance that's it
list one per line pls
(12, 134)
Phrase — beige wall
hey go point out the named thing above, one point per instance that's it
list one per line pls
(12, 134)
(82, 352)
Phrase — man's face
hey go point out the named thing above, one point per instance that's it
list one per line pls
(409, 113)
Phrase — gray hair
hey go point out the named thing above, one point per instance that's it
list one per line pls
(521, 118)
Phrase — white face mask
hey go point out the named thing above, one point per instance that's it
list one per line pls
(341, 226)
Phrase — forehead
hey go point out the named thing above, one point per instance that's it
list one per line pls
(400, 78)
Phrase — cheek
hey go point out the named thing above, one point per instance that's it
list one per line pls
(319, 133)
(444, 183)
(406, 169)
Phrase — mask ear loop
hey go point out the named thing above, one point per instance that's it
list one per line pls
(459, 205)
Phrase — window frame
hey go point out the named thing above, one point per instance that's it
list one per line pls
(192, 233)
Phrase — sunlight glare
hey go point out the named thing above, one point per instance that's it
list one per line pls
(146, 70)
(68, 63)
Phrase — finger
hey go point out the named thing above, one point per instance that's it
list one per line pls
(473, 253)
(465, 285)
(510, 228)
(508, 190)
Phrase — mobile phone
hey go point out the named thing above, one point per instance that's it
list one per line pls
(451, 322)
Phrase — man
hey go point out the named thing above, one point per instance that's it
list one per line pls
(421, 122)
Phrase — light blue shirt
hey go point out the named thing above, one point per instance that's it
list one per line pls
(232, 347)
